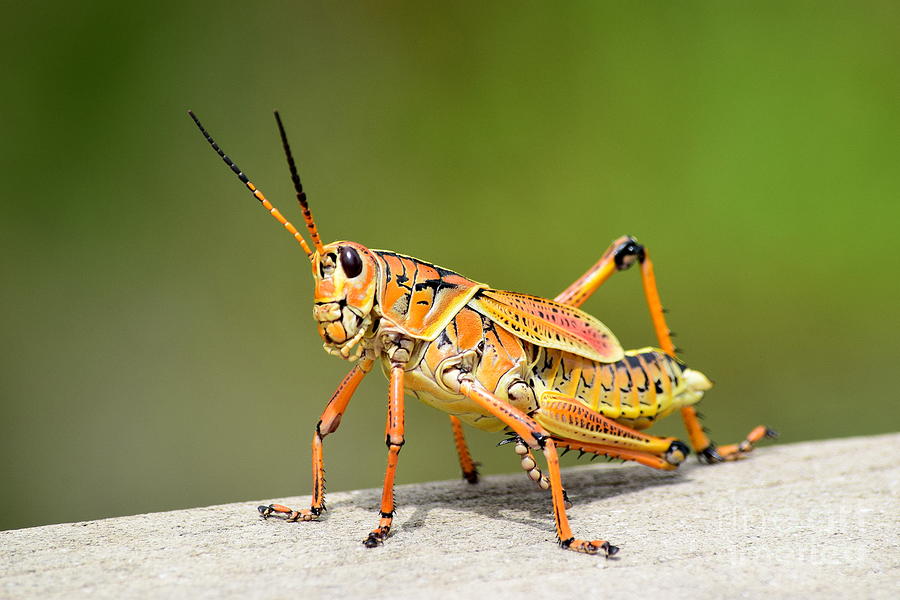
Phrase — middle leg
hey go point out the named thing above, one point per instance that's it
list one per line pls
(469, 467)
(537, 438)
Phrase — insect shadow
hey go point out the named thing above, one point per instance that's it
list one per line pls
(519, 502)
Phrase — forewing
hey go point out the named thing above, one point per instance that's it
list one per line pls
(549, 324)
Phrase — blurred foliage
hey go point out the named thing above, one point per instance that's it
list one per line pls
(158, 349)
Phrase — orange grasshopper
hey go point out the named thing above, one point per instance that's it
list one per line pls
(552, 375)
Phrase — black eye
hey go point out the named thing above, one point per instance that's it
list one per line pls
(350, 261)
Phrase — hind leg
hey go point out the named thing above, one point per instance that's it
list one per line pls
(621, 255)
(580, 428)
(739, 450)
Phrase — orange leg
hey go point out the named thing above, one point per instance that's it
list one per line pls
(739, 450)
(536, 437)
(622, 254)
(699, 440)
(469, 467)
(328, 423)
(705, 449)
(618, 257)
(394, 439)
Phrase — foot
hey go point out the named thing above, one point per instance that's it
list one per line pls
(471, 476)
(713, 454)
(592, 547)
(376, 537)
(288, 514)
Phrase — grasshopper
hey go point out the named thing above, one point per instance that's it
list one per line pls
(549, 374)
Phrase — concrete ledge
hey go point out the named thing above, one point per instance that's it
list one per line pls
(812, 518)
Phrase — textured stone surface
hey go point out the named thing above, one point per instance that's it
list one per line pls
(813, 518)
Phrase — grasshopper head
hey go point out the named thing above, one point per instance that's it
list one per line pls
(345, 274)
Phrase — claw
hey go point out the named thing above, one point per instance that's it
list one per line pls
(593, 547)
(471, 476)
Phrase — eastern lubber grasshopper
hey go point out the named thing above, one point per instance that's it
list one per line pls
(552, 375)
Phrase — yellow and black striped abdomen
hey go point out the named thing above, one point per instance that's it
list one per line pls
(646, 385)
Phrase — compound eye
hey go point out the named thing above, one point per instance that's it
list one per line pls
(351, 262)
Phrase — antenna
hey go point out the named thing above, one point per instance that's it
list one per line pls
(257, 193)
(298, 187)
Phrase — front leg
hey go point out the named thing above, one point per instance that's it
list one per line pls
(394, 440)
(328, 423)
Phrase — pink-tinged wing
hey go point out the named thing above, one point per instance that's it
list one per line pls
(549, 324)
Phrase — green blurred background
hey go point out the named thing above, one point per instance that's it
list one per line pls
(158, 347)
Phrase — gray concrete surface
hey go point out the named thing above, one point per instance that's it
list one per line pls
(816, 518)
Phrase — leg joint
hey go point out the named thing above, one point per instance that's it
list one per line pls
(329, 426)
(628, 252)
(393, 441)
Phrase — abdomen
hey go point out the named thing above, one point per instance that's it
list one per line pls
(646, 385)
